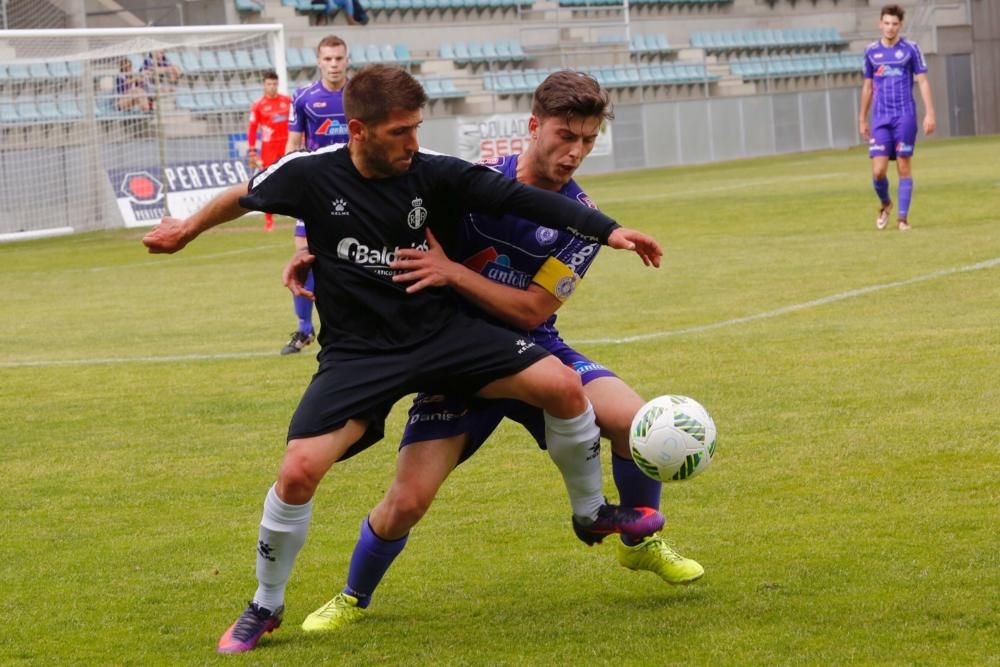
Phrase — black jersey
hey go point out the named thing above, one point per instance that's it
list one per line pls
(355, 226)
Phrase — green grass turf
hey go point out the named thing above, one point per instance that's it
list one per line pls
(850, 516)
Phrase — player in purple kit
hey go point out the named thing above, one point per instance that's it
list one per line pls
(891, 66)
(317, 119)
(520, 274)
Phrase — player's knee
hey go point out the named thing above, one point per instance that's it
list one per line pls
(565, 396)
(406, 507)
(297, 480)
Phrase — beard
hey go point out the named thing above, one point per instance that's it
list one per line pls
(377, 160)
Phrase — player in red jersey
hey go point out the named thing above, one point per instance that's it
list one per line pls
(270, 113)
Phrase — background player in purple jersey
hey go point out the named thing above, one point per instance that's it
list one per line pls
(891, 66)
(380, 343)
(518, 273)
(317, 119)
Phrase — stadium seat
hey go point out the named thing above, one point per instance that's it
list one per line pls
(490, 54)
(403, 57)
(185, 99)
(47, 108)
(69, 108)
(18, 72)
(387, 53)
(190, 63)
(476, 55)
(248, 6)
(308, 57)
(357, 55)
(227, 61)
(27, 109)
(243, 61)
(8, 112)
(372, 53)
(462, 57)
(261, 59)
(38, 71)
(209, 61)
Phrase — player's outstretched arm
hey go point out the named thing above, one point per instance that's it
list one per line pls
(172, 234)
(645, 246)
(296, 272)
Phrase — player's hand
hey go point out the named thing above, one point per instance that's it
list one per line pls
(296, 272)
(643, 245)
(424, 268)
(864, 129)
(168, 237)
(930, 124)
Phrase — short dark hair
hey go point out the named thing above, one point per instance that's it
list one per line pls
(330, 40)
(893, 10)
(568, 93)
(376, 90)
(270, 74)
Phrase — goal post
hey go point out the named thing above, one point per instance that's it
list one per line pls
(103, 128)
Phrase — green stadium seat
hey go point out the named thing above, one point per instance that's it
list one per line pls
(227, 61)
(243, 61)
(27, 109)
(209, 61)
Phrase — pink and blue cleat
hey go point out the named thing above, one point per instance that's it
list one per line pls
(253, 623)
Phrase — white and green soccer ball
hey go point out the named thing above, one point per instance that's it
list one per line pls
(672, 438)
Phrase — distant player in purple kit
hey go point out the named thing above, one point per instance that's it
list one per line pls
(317, 120)
(891, 66)
(520, 274)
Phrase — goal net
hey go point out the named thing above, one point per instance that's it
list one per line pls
(105, 128)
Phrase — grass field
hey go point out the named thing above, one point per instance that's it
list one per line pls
(850, 517)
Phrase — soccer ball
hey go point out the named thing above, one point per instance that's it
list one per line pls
(672, 438)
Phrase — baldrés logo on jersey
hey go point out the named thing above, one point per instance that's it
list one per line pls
(417, 215)
(373, 259)
(144, 193)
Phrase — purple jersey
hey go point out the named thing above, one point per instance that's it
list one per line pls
(891, 69)
(518, 252)
(319, 113)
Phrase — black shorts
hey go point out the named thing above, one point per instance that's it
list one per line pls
(462, 358)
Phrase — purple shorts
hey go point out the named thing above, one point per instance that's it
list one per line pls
(438, 416)
(893, 137)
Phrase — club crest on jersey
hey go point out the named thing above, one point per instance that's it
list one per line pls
(899, 54)
(417, 215)
(339, 207)
(546, 235)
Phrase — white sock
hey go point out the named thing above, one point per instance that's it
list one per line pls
(283, 531)
(575, 447)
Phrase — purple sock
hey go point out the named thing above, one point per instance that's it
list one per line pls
(905, 193)
(304, 307)
(371, 559)
(882, 188)
(634, 488)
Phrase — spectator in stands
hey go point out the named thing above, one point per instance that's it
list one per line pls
(270, 114)
(131, 89)
(160, 71)
(353, 10)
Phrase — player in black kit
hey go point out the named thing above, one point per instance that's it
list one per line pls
(360, 204)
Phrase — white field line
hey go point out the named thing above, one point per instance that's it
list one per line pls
(833, 298)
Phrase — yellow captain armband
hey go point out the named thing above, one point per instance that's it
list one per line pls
(557, 279)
